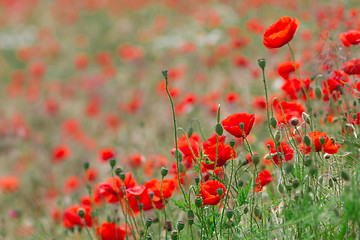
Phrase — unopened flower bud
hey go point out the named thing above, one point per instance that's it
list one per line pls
(281, 188)
(257, 212)
(81, 213)
(165, 73)
(273, 122)
(294, 121)
(86, 165)
(307, 140)
(232, 143)
(306, 118)
(197, 179)
(118, 171)
(122, 176)
(219, 129)
(220, 192)
(190, 213)
(190, 132)
(277, 135)
(331, 183)
(295, 183)
(345, 175)
(198, 202)
(318, 92)
(174, 235)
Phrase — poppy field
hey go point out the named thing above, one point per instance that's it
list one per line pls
(179, 119)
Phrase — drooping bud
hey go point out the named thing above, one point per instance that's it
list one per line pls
(318, 92)
(281, 188)
(295, 183)
(197, 179)
(277, 135)
(306, 118)
(307, 140)
(257, 212)
(294, 121)
(190, 132)
(273, 122)
(118, 171)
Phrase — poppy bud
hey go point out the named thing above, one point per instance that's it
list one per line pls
(295, 183)
(81, 213)
(294, 121)
(232, 143)
(229, 213)
(220, 192)
(354, 116)
(281, 188)
(198, 202)
(86, 165)
(262, 63)
(273, 121)
(174, 235)
(197, 179)
(122, 176)
(148, 222)
(191, 221)
(190, 132)
(307, 140)
(118, 171)
(277, 136)
(331, 183)
(141, 206)
(255, 158)
(257, 212)
(151, 194)
(219, 129)
(306, 117)
(318, 92)
(354, 104)
(168, 226)
(164, 171)
(241, 125)
(327, 156)
(322, 140)
(165, 73)
(178, 155)
(345, 175)
(245, 162)
(180, 225)
(190, 213)
(240, 183)
(112, 162)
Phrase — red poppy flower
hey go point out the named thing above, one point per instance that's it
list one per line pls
(286, 68)
(212, 140)
(285, 151)
(351, 67)
(9, 183)
(280, 33)
(106, 154)
(168, 187)
(223, 155)
(265, 178)
(351, 37)
(291, 110)
(109, 231)
(72, 219)
(208, 192)
(231, 124)
(60, 153)
(328, 147)
(292, 88)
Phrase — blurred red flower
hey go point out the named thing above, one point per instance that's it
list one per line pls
(72, 219)
(109, 231)
(329, 146)
(231, 124)
(265, 178)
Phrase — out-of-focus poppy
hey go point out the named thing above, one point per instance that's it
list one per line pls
(329, 146)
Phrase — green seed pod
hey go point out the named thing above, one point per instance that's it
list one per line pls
(86, 165)
(273, 122)
(122, 176)
(165, 73)
(81, 213)
(318, 92)
(307, 140)
(118, 171)
(246, 210)
(232, 143)
(148, 222)
(174, 235)
(294, 121)
(180, 225)
(197, 179)
(331, 183)
(164, 171)
(190, 213)
(191, 221)
(112, 162)
(141, 205)
(198, 202)
(219, 129)
(322, 140)
(256, 158)
(262, 63)
(295, 183)
(345, 175)
(229, 213)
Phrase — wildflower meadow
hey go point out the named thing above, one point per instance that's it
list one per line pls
(179, 119)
